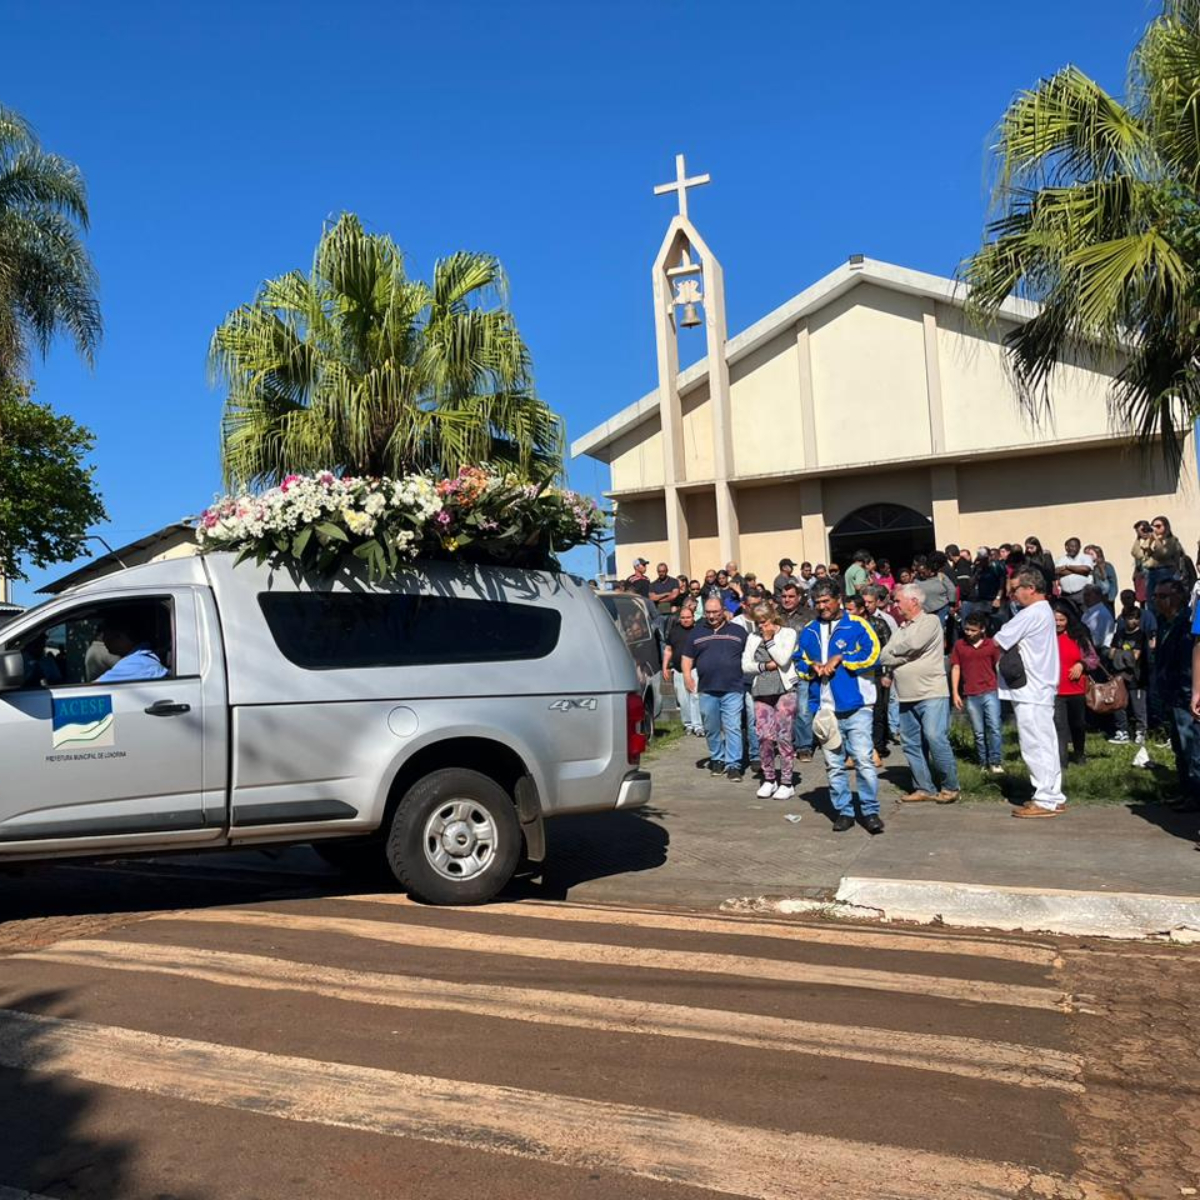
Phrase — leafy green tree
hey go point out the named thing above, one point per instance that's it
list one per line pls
(356, 367)
(47, 281)
(1097, 218)
(48, 498)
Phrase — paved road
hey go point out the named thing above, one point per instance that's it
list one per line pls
(214, 1031)
(362, 1043)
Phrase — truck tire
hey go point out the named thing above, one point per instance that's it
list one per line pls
(455, 838)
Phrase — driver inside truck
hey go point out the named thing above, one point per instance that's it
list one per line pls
(123, 635)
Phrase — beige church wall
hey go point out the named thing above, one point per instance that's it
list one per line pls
(764, 398)
(844, 495)
(697, 434)
(640, 532)
(868, 372)
(703, 543)
(980, 407)
(1095, 495)
(637, 460)
(769, 518)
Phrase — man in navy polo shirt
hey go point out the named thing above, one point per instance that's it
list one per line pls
(712, 667)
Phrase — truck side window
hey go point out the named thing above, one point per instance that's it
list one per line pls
(78, 647)
(323, 631)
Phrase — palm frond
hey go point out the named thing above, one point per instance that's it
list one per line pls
(48, 283)
(1096, 218)
(1068, 128)
(357, 367)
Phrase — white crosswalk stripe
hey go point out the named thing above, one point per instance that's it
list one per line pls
(572, 1132)
(970, 1057)
(438, 938)
(588, 1134)
(841, 936)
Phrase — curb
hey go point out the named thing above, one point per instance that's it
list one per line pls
(1122, 915)
(1034, 910)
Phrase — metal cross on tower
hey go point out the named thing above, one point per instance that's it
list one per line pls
(681, 184)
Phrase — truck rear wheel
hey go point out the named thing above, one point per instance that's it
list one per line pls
(455, 838)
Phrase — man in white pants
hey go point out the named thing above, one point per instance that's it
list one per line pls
(1033, 634)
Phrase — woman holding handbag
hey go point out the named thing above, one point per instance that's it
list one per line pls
(1076, 656)
(768, 660)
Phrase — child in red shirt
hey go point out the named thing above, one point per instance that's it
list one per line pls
(974, 686)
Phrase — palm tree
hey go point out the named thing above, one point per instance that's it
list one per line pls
(47, 281)
(1097, 218)
(357, 367)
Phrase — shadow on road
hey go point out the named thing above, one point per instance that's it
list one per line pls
(133, 886)
(595, 846)
(48, 1141)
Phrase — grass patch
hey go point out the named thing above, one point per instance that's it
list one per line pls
(1107, 777)
(667, 733)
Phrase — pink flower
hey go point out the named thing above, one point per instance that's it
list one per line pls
(287, 483)
(443, 517)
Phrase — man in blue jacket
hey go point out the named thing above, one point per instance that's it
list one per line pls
(837, 653)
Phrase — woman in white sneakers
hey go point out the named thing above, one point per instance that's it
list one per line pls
(768, 661)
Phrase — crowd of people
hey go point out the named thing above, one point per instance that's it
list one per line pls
(851, 662)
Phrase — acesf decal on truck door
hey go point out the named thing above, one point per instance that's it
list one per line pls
(83, 721)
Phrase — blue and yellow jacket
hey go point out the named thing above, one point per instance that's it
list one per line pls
(852, 684)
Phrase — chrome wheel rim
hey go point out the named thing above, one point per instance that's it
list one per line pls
(460, 840)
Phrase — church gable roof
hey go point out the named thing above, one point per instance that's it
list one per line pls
(834, 285)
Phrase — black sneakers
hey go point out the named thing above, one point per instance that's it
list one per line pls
(734, 775)
(842, 823)
(873, 824)
(715, 768)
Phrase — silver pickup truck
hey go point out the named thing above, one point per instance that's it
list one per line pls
(434, 721)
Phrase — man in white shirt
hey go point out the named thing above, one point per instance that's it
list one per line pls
(1031, 633)
(1074, 571)
(1099, 621)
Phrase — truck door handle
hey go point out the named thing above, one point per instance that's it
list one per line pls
(167, 708)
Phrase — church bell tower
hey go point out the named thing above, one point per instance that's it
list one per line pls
(688, 282)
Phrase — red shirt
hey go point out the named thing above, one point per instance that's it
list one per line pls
(977, 664)
(1068, 655)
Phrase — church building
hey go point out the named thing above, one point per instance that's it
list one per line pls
(866, 412)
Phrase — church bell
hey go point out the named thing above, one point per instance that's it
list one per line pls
(690, 318)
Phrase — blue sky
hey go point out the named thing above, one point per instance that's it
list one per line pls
(216, 138)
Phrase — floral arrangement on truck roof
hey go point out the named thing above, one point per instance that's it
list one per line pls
(480, 515)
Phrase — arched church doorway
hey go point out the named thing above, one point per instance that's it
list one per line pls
(889, 531)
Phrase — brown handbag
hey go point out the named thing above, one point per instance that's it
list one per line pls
(1109, 696)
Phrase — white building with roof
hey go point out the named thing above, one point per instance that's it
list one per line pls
(866, 411)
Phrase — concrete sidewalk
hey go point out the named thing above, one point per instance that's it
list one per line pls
(706, 841)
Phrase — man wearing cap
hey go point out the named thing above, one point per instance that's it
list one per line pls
(785, 576)
(837, 653)
(637, 582)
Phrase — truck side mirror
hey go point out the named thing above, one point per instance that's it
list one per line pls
(12, 670)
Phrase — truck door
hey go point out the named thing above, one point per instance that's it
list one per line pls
(104, 743)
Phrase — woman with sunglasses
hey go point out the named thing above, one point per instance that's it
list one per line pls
(1163, 554)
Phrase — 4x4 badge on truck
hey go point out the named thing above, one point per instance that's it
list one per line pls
(589, 703)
